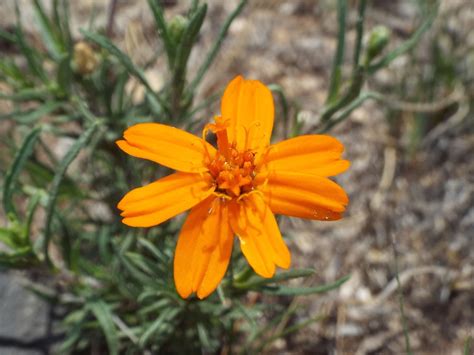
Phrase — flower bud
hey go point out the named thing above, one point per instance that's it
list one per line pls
(378, 40)
(176, 28)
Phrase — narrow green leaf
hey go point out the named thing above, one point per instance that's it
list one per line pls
(352, 92)
(161, 322)
(204, 337)
(18, 255)
(32, 56)
(30, 116)
(18, 163)
(188, 39)
(140, 261)
(335, 80)
(18, 260)
(289, 330)
(103, 240)
(359, 32)
(162, 29)
(28, 94)
(32, 205)
(105, 43)
(119, 94)
(12, 73)
(8, 237)
(134, 271)
(216, 46)
(58, 178)
(75, 331)
(50, 39)
(7, 36)
(158, 254)
(343, 114)
(64, 74)
(155, 107)
(179, 102)
(299, 291)
(256, 281)
(467, 345)
(61, 23)
(154, 307)
(104, 316)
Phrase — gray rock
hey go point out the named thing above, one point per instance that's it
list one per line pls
(24, 319)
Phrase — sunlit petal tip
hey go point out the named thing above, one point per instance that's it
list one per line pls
(122, 144)
(142, 224)
(266, 273)
(203, 293)
(285, 262)
(343, 165)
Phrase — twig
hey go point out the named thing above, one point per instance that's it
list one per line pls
(335, 80)
(400, 299)
(112, 9)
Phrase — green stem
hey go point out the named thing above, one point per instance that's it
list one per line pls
(408, 44)
(335, 79)
(215, 48)
(359, 32)
(358, 78)
(348, 110)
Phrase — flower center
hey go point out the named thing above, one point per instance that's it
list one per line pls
(233, 171)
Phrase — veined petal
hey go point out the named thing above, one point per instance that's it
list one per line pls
(315, 154)
(204, 248)
(153, 204)
(260, 238)
(168, 146)
(304, 195)
(248, 105)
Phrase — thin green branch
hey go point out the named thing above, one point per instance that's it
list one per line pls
(359, 32)
(335, 80)
(215, 48)
(348, 110)
(351, 94)
(57, 180)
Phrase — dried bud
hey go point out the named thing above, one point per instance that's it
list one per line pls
(85, 59)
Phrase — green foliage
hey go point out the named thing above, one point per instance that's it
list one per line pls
(116, 282)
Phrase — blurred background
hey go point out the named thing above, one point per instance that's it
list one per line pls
(411, 182)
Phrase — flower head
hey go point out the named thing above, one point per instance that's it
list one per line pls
(234, 188)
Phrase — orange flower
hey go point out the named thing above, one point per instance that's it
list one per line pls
(234, 189)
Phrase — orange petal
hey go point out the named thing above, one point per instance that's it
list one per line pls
(153, 204)
(315, 154)
(204, 248)
(168, 146)
(248, 105)
(260, 238)
(304, 195)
